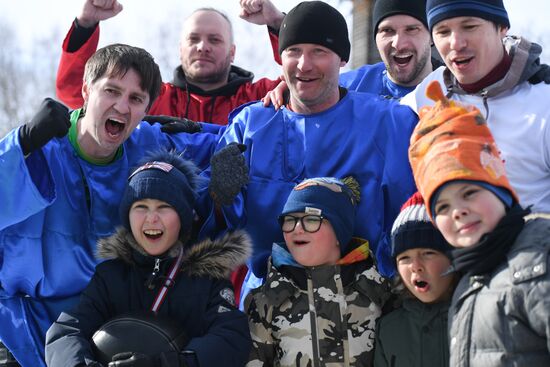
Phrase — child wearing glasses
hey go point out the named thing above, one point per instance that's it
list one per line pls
(323, 294)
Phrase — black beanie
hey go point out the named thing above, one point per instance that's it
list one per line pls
(386, 8)
(491, 10)
(315, 22)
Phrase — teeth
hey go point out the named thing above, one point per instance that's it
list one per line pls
(116, 120)
(152, 232)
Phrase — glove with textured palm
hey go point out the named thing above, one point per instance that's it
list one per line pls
(174, 125)
(52, 120)
(229, 173)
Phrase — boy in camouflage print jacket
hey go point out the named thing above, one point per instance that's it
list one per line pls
(323, 293)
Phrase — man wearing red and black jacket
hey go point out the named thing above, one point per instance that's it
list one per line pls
(205, 87)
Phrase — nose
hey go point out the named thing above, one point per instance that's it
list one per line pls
(304, 63)
(457, 41)
(203, 46)
(398, 40)
(122, 106)
(299, 228)
(416, 265)
(152, 216)
(459, 212)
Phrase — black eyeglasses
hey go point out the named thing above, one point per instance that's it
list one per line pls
(310, 223)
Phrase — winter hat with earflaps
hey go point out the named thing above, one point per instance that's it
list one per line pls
(452, 142)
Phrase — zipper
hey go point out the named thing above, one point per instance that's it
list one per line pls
(151, 280)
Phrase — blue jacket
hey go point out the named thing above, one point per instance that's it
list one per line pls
(363, 135)
(200, 301)
(55, 206)
(373, 79)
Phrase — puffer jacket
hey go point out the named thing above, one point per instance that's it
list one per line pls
(503, 318)
(414, 335)
(316, 316)
(201, 300)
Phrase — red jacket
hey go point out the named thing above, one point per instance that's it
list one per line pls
(177, 98)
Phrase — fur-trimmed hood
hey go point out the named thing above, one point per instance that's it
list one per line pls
(212, 258)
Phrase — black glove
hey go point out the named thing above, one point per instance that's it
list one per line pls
(174, 125)
(543, 75)
(132, 359)
(229, 173)
(52, 120)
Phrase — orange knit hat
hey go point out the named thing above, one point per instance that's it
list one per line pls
(453, 142)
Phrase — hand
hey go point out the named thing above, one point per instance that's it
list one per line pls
(94, 11)
(542, 75)
(276, 96)
(229, 173)
(132, 359)
(52, 120)
(261, 12)
(174, 125)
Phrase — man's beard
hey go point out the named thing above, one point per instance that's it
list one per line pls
(218, 75)
(405, 79)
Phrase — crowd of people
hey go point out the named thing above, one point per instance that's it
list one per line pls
(392, 215)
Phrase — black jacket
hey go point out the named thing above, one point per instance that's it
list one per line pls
(200, 300)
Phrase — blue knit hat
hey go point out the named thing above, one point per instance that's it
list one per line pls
(492, 10)
(164, 176)
(413, 229)
(331, 198)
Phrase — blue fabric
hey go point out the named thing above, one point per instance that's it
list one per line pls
(491, 10)
(50, 222)
(373, 79)
(363, 135)
(337, 207)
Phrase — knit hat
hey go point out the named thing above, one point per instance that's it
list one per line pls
(452, 142)
(413, 229)
(331, 198)
(167, 177)
(492, 10)
(315, 22)
(387, 8)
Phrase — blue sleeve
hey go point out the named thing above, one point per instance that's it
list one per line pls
(27, 184)
(227, 337)
(398, 182)
(68, 339)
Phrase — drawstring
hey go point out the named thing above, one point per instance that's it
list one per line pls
(188, 102)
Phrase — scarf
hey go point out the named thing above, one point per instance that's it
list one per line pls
(492, 248)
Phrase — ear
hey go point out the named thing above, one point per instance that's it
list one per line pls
(343, 63)
(85, 92)
(232, 50)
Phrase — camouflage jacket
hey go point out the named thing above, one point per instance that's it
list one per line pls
(316, 316)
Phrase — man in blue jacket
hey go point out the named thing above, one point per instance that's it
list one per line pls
(322, 130)
(402, 38)
(62, 176)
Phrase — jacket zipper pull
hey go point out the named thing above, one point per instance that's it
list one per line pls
(150, 281)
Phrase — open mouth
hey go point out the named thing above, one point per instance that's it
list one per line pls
(153, 234)
(114, 127)
(462, 61)
(300, 243)
(420, 284)
(402, 60)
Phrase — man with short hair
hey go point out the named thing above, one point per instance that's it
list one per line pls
(402, 38)
(497, 74)
(322, 130)
(62, 177)
(205, 87)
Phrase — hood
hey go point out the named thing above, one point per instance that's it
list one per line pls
(237, 77)
(525, 63)
(212, 258)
